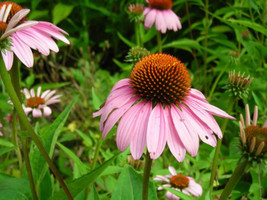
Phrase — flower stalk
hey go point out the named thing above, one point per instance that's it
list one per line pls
(159, 41)
(24, 120)
(148, 164)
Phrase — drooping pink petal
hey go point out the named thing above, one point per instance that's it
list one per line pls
(139, 139)
(156, 132)
(150, 18)
(22, 51)
(160, 22)
(171, 196)
(115, 116)
(126, 129)
(194, 188)
(49, 95)
(121, 83)
(161, 178)
(172, 170)
(180, 127)
(36, 113)
(204, 132)
(174, 142)
(54, 99)
(197, 94)
(47, 111)
(8, 59)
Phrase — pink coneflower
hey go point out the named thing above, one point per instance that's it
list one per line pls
(157, 105)
(180, 183)
(25, 35)
(36, 102)
(1, 134)
(161, 14)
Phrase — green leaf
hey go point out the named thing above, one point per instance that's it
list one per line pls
(126, 41)
(129, 186)
(49, 138)
(249, 24)
(97, 102)
(185, 44)
(85, 137)
(6, 150)
(47, 86)
(14, 188)
(78, 185)
(93, 194)
(6, 143)
(179, 194)
(82, 168)
(60, 12)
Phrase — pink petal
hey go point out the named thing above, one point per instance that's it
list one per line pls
(138, 142)
(126, 126)
(171, 196)
(27, 93)
(27, 110)
(197, 94)
(160, 22)
(22, 51)
(194, 188)
(172, 170)
(39, 91)
(32, 92)
(150, 18)
(121, 83)
(116, 115)
(36, 113)
(49, 95)
(180, 127)
(161, 178)
(8, 59)
(47, 111)
(174, 142)
(156, 132)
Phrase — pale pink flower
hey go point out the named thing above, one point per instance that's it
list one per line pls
(38, 103)
(180, 183)
(26, 35)
(160, 13)
(157, 106)
(1, 134)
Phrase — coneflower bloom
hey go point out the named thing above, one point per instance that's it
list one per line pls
(36, 102)
(180, 183)
(160, 13)
(25, 35)
(157, 105)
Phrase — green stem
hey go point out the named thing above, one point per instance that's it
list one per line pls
(99, 142)
(15, 141)
(206, 7)
(219, 143)
(15, 79)
(238, 173)
(159, 41)
(137, 34)
(24, 120)
(140, 34)
(216, 82)
(148, 164)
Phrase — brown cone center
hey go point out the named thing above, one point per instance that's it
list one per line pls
(179, 181)
(34, 102)
(160, 4)
(259, 133)
(160, 78)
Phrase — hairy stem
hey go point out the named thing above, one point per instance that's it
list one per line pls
(148, 164)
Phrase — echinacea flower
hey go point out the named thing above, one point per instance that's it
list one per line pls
(253, 137)
(160, 13)
(25, 35)
(36, 102)
(180, 183)
(1, 134)
(157, 105)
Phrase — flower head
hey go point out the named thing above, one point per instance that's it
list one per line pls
(17, 35)
(36, 102)
(238, 84)
(160, 13)
(136, 53)
(180, 183)
(157, 105)
(253, 137)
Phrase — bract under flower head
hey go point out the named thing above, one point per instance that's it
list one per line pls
(178, 117)
(180, 183)
(159, 13)
(19, 35)
(38, 102)
(253, 137)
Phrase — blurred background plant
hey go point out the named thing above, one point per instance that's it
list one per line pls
(216, 37)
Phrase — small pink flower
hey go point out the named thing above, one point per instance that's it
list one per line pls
(36, 102)
(26, 35)
(9, 117)
(180, 183)
(1, 134)
(157, 106)
(159, 13)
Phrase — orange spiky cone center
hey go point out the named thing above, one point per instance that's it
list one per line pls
(160, 4)
(160, 78)
(34, 102)
(179, 181)
(259, 133)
